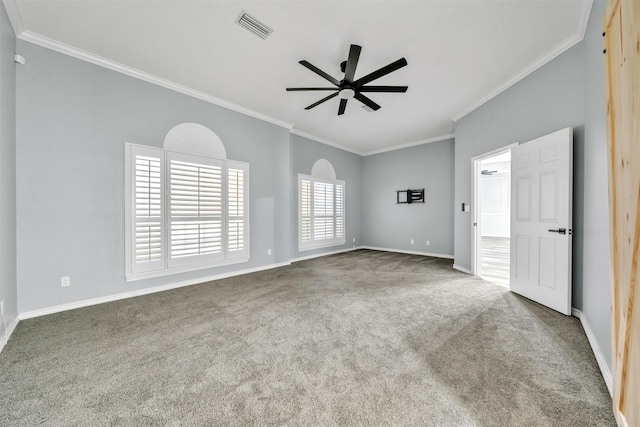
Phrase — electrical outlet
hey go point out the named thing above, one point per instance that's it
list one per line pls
(2, 307)
(268, 251)
(354, 240)
(428, 243)
(412, 241)
(65, 281)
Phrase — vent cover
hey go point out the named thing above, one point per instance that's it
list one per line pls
(252, 24)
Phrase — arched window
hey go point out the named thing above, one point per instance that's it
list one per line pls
(187, 205)
(321, 208)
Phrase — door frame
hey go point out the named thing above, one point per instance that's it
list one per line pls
(475, 203)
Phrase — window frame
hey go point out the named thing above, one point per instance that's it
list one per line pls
(164, 266)
(312, 243)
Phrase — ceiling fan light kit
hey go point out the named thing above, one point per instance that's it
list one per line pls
(346, 93)
(348, 88)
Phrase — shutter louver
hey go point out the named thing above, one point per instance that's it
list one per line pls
(196, 211)
(190, 238)
(322, 211)
(235, 200)
(339, 210)
(148, 208)
(305, 210)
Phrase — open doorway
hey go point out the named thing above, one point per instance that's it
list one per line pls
(492, 219)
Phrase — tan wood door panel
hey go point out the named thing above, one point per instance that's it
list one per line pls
(622, 65)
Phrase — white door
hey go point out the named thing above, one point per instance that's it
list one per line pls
(541, 186)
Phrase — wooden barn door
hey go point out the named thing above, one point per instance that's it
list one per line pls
(622, 65)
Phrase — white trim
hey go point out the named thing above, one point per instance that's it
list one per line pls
(312, 137)
(13, 12)
(496, 151)
(583, 21)
(4, 338)
(83, 55)
(339, 251)
(602, 364)
(402, 251)
(556, 51)
(475, 202)
(124, 295)
(411, 144)
(464, 270)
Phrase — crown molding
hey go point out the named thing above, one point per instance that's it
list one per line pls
(568, 43)
(11, 6)
(411, 144)
(583, 21)
(144, 76)
(298, 132)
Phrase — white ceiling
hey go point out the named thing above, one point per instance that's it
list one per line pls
(460, 54)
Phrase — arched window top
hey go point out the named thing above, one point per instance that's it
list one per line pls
(323, 169)
(195, 139)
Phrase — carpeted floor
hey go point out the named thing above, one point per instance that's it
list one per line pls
(363, 338)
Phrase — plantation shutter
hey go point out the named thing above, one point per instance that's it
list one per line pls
(320, 213)
(323, 213)
(184, 212)
(146, 247)
(195, 209)
(237, 210)
(305, 210)
(339, 215)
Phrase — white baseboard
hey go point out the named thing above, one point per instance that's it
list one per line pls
(464, 270)
(402, 251)
(136, 293)
(602, 364)
(4, 338)
(339, 251)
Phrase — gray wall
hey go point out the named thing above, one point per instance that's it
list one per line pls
(73, 119)
(8, 281)
(348, 167)
(596, 292)
(391, 226)
(568, 91)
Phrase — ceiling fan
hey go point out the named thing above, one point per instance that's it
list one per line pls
(348, 88)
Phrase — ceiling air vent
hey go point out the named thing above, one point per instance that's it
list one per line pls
(252, 24)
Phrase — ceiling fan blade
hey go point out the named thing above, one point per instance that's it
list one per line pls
(366, 101)
(380, 72)
(319, 72)
(352, 62)
(294, 89)
(383, 89)
(343, 106)
(315, 104)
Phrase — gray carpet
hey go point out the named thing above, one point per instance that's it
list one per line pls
(364, 338)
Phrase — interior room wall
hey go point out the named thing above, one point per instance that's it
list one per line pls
(73, 119)
(8, 277)
(348, 167)
(495, 193)
(392, 226)
(596, 288)
(568, 91)
(549, 99)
